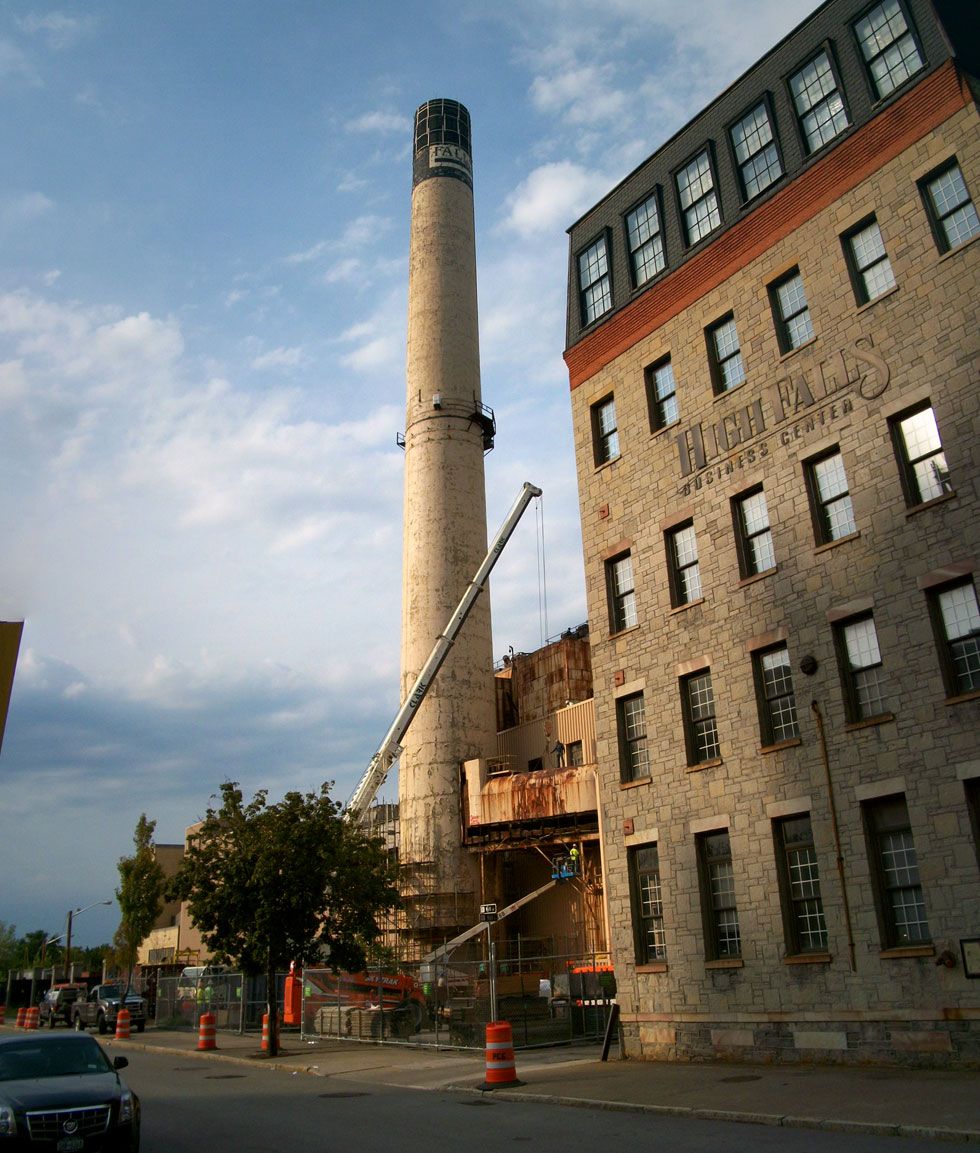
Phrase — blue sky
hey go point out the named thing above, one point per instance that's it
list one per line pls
(203, 276)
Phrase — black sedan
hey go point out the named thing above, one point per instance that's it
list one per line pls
(60, 1092)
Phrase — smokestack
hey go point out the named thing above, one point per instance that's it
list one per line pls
(447, 432)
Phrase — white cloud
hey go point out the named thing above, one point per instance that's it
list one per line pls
(58, 29)
(278, 358)
(24, 209)
(385, 123)
(551, 197)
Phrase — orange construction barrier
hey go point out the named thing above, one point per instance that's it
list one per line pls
(205, 1032)
(3, 1013)
(122, 1025)
(33, 1018)
(500, 1056)
(265, 1032)
(21, 1022)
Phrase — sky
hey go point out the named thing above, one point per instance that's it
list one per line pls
(204, 213)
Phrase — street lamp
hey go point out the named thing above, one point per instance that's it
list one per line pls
(72, 913)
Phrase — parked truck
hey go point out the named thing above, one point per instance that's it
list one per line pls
(101, 1007)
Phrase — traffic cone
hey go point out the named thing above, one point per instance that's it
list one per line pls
(21, 1022)
(501, 1070)
(205, 1033)
(122, 1025)
(265, 1032)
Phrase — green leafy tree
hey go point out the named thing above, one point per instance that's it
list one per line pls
(295, 881)
(140, 897)
(8, 947)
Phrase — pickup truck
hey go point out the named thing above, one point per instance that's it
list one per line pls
(101, 1005)
(56, 1004)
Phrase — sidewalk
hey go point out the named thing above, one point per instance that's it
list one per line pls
(884, 1101)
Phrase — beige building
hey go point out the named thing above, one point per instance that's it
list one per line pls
(773, 356)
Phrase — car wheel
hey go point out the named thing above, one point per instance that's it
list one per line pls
(79, 1026)
(103, 1028)
(51, 1022)
(140, 1026)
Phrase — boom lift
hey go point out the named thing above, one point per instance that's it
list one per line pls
(391, 748)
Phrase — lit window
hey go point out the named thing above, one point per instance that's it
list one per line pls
(725, 354)
(819, 104)
(755, 152)
(719, 911)
(700, 725)
(799, 883)
(682, 560)
(622, 598)
(648, 918)
(634, 757)
(898, 888)
(921, 459)
(699, 202)
(752, 533)
(605, 434)
(951, 211)
(830, 499)
(871, 270)
(791, 312)
(593, 277)
(646, 244)
(860, 664)
(662, 395)
(956, 620)
(777, 702)
(889, 49)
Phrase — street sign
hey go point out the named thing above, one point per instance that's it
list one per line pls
(488, 912)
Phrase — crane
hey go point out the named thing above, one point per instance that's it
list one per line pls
(391, 748)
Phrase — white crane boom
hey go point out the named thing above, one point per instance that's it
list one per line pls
(388, 753)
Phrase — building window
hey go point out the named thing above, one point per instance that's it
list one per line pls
(972, 789)
(634, 758)
(898, 889)
(593, 277)
(605, 434)
(860, 665)
(791, 312)
(951, 212)
(956, 621)
(646, 242)
(682, 561)
(830, 500)
(648, 916)
(662, 395)
(921, 460)
(755, 152)
(889, 49)
(752, 533)
(799, 884)
(720, 913)
(574, 752)
(870, 268)
(699, 202)
(700, 726)
(622, 598)
(777, 702)
(819, 104)
(725, 355)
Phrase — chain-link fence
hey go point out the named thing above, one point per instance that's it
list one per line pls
(237, 1002)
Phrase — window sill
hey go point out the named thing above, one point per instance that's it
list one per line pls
(712, 764)
(915, 509)
(829, 544)
(757, 576)
(726, 963)
(779, 745)
(869, 304)
(728, 391)
(657, 432)
(653, 967)
(808, 959)
(903, 952)
(961, 698)
(689, 605)
(789, 353)
(624, 632)
(950, 252)
(638, 781)
(869, 722)
(603, 464)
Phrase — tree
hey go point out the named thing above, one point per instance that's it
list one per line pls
(270, 884)
(8, 946)
(140, 896)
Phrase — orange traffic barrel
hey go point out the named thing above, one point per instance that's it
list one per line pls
(3, 1013)
(265, 1031)
(21, 1022)
(205, 1034)
(500, 1056)
(33, 1014)
(122, 1025)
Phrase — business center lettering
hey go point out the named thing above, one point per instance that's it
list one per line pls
(790, 408)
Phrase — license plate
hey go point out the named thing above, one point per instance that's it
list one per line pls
(70, 1144)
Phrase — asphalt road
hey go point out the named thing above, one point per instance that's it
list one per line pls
(193, 1106)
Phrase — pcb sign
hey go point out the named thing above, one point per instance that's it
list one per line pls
(488, 912)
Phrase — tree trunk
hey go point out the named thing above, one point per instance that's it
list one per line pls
(272, 1008)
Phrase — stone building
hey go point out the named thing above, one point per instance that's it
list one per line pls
(772, 346)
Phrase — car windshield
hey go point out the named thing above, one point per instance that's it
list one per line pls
(110, 991)
(26, 1059)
